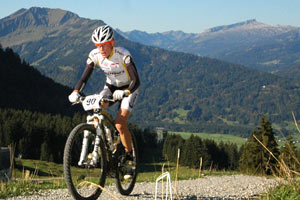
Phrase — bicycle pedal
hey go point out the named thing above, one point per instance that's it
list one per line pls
(82, 166)
(93, 163)
(127, 177)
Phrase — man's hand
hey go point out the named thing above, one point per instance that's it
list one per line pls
(118, 94)
(74, 96)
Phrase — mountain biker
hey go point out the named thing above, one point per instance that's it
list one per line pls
(121, 80)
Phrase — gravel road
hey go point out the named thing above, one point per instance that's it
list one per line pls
(211, 187)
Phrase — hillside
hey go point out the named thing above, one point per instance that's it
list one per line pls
(178, 91)
(291, 73)
(23, 87)
(249, 43)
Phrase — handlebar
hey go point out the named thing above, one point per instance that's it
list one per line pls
(104, 99)
(96, 98)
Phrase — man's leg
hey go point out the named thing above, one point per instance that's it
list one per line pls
(121, 125)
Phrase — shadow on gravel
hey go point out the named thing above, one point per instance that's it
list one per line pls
(192, 197)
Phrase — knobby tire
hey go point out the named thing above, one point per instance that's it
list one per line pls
(68, 162)
(119, 176)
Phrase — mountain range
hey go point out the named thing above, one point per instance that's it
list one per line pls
(179, 91)
(249, 43)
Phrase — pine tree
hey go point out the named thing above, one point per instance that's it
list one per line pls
(223, 156)
(212, 151)
(171, 145)
(233, 156)
(187, 152)
(202, 152)
(44, 152)
(255, 157)
(271, 144)
(190, 155)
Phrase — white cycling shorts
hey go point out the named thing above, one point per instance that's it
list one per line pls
(127, 103)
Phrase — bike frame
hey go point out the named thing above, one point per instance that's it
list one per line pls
(105, 130)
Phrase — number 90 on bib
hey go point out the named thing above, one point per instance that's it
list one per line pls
(91, 102)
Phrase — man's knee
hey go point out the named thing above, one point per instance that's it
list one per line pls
(121, 126)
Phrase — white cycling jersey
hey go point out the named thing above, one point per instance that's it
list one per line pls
(114, 66)
(120, 71)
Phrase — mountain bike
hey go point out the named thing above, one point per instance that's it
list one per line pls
(94, 151)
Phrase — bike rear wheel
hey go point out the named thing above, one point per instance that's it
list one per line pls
(125, 187)
(82, 181)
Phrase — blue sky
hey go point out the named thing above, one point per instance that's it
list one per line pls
(191, 16)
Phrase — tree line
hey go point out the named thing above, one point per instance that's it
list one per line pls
(195, 150)
(42, 136)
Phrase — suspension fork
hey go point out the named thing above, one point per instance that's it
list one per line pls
(84, 147)
(99, 130)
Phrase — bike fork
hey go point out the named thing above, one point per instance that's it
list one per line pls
(96, 147)
(84, 148)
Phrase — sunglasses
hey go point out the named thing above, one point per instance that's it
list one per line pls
(101, 44)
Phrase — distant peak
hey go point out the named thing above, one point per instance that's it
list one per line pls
(36, 9)
(37, 16)
(250, 23)
(19, 11)
(173, 32)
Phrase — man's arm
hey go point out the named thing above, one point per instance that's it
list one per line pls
(133, 74)
(85, 77)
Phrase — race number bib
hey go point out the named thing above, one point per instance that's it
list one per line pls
(91, 102)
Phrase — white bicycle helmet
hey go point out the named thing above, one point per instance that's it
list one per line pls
(102, 34)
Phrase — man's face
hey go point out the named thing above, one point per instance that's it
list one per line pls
(106, 49)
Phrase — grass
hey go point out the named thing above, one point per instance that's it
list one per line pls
(290, 191)
(31, 176)
(150, 172)
(26, 187)
(239, 141)
(49, 175)
(181, 116)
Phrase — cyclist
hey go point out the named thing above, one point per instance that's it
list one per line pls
(122, 81)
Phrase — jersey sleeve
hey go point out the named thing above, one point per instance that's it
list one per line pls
(90, 64)
(84, 77)
(133, 74)
(92, 58)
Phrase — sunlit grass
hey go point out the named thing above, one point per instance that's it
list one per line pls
(226, 138)
(290, 191)
(49, 175)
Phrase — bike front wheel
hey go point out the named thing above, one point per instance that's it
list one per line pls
(124, 186)
(83, 179)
